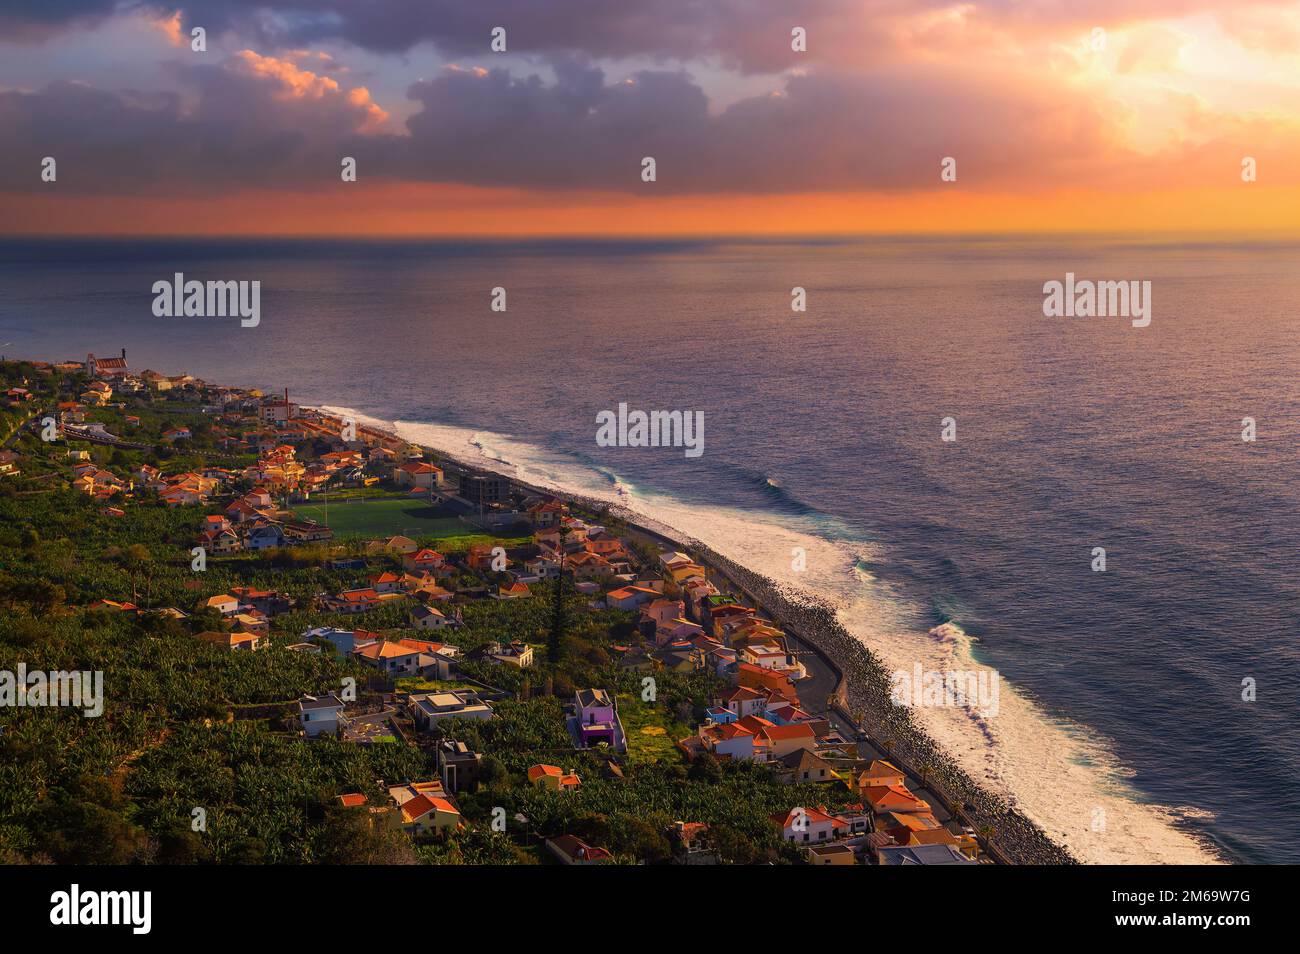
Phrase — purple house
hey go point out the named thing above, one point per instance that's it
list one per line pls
(597, 719)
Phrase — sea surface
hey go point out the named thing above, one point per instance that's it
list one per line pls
(1121, 726)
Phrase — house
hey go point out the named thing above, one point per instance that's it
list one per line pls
(830, 855)
(344, 640)
(266, 602)
(399, 545)
(672, 559)
(804, 765)
(480, 557)
(319, 715)
(597, 721)
(306, 531)
(436, 660)
(629, 597)
(774, 742)
(249, 623)
(589, 566)
(458, 766)
(264, 537)
(423, 560)
(743, 701)
(430, 708)
(921, 855)
(235, 642)
(552, 777)
(857, 818)
(935, 836)
(893, 798)
(361, 600)
(880, 774)
(389, 657)
(177, 434)
(386, 582)
(570, 850)
(727, 740)
(225, 604)
(424, 808)
(546, 514)
(418, 474)
(662, 611)
(755, 677)
(430, 617)
(803, 825)
(512, 591)
(515, 653)
(220, 542)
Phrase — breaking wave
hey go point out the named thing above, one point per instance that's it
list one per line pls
(1059, 773)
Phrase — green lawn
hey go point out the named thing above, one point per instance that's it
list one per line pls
(408, 516)
(419, 684)
(651, 731)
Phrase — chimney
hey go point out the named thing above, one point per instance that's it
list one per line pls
(123, 354)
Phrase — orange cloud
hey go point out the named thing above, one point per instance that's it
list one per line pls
(298, 83)
(170, 27)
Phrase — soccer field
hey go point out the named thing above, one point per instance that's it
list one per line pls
(384, 517)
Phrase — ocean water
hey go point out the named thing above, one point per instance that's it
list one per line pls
(1121, 726)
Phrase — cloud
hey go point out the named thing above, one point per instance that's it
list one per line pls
(170, 27)
(264, 121)
(38, 20)
(253, 120)
(751, 36)
(820, 131)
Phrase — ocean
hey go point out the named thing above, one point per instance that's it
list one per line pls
(1121, 728)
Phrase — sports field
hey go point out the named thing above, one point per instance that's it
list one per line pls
(384, 517)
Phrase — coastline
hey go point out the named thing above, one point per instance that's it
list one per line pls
(863, 690)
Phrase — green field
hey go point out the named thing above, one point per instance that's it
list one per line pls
(651, 732)
(409, 516)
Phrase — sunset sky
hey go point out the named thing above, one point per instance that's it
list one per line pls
(749, 136)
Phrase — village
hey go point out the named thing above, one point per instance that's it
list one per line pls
(433, 608)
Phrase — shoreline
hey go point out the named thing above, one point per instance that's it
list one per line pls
(862, 696)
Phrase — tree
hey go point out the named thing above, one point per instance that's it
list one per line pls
(705, 768)
(559, 615)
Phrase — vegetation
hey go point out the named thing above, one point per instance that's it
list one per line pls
(193, 760)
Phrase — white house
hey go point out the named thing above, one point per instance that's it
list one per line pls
(319, 715)
(429, 617)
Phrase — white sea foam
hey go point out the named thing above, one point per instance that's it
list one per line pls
(1059, 774)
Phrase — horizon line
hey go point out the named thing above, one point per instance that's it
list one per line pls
(1163, 236)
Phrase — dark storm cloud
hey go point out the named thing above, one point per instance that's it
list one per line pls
(38, 19)
(749, 34)
(231, 127)
(817, 132)
(262, 122)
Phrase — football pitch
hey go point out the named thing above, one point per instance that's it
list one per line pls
(384, 517)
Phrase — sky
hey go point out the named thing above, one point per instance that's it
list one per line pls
(1115, 116)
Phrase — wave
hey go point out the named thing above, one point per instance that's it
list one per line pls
(1058, 773)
